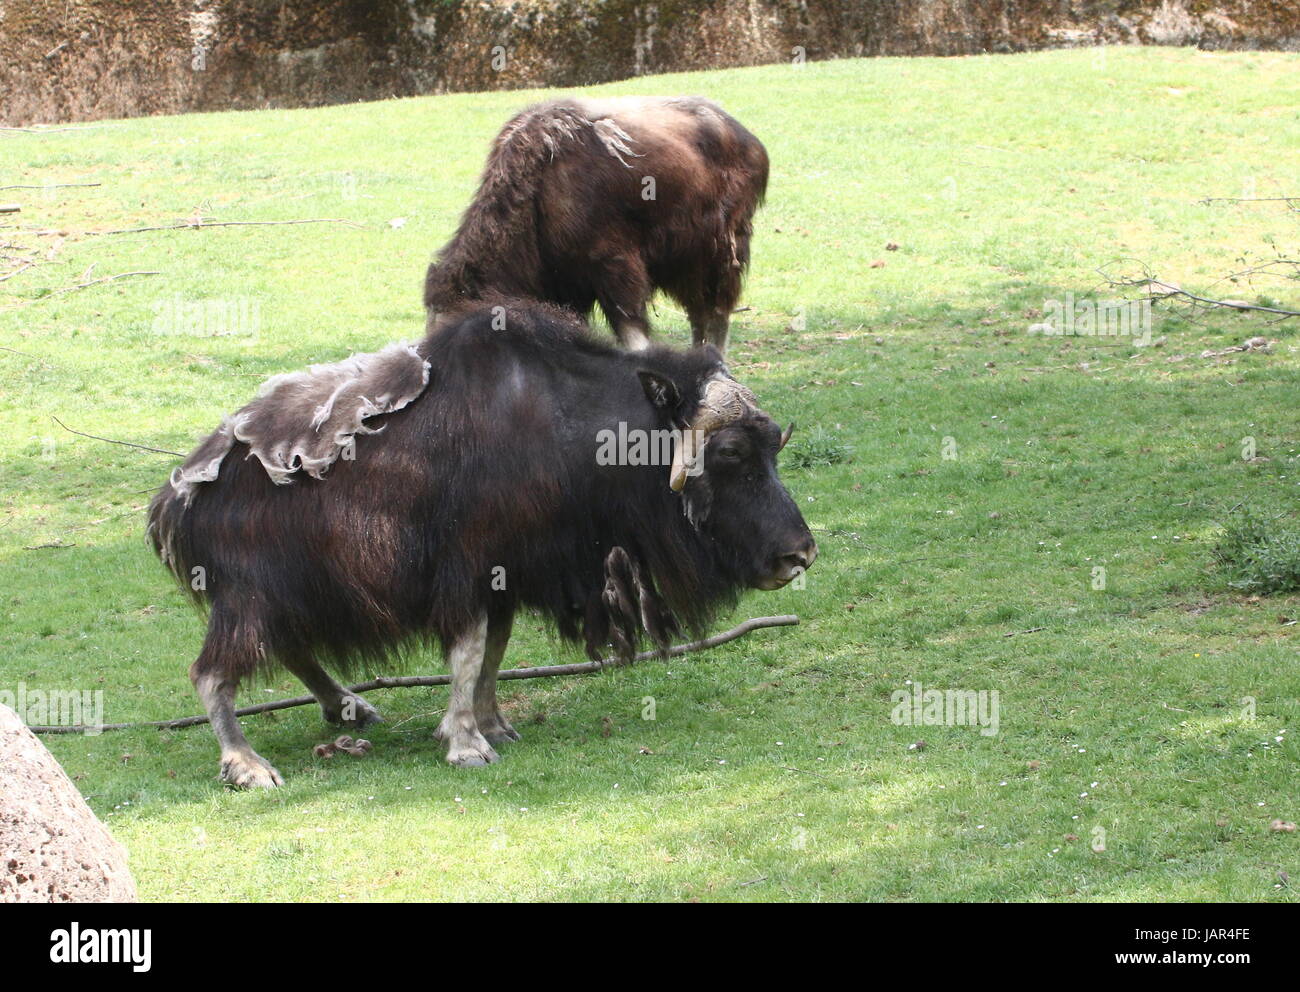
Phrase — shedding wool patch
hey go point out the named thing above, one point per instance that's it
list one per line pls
(557, 125)
(302, 421)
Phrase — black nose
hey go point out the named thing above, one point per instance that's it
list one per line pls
(803, 557)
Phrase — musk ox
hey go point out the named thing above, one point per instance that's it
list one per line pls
(605, 201)
(428, 492)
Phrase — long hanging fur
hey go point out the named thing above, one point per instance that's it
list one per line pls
(633, 606)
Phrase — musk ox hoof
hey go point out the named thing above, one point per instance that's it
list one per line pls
(471, 752)
(498, 731)
(352, 712)
(249, 771)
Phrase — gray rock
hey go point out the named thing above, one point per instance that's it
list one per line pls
(52, 847)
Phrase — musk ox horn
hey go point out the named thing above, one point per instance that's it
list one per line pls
(724, 402)
(785, 436)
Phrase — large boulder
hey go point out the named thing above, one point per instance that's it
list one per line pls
(52, 847)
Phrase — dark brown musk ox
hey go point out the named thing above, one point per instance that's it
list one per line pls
(605, 201)
(426, 493)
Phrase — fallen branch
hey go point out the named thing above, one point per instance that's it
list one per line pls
(1164, 290)
(1291, 201)
(1031, 630)
(128, 444)
(53, 186)
(22, 268)
(200, 223)
(51, 130)
(85, 285)
(1156, 289)
(410, 681)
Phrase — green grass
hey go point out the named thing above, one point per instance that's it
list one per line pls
(1257, 555)
(971, 481)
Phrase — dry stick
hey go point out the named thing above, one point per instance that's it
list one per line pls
(409, 681)
(196, 225)
(53, 186)
(129, 444)
(1167, 290)
(85, 285)
(51, 130)
(1031, 630)
(1205, 300)
(22, 268)
(1251, 199)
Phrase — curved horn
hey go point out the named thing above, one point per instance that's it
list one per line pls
(724, 402)
(785, 436)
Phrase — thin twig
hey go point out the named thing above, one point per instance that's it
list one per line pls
(198, 224)
(85, 285)
(406, 682)
(1227, 304)
(22, 268)
(1158, 289)
(50, 130)
(129, 444)
(1290, 201)
(53, 186)
(1031, 630)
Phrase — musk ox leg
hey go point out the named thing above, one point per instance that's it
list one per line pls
(491, 724)
(337, 705)
(623, 289)
(710, 299)
(466, 745)
(241, 766)
(711, 327)
(633, 333)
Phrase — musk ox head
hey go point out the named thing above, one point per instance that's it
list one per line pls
(724, 467)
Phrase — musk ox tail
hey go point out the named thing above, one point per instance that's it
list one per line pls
(502, 211)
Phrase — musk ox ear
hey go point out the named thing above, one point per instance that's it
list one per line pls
(785, 436)
(659, 390)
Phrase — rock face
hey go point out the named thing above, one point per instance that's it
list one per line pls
(83, 59)
(52, 847)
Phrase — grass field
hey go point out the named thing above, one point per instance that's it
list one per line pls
(964, 479)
